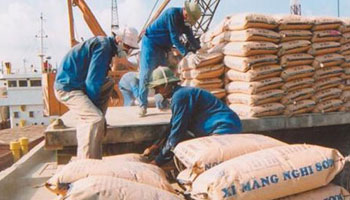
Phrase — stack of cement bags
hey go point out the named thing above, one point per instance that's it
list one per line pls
(276, 170)
(297, 64)
(203, 70)
(253, 74)
(345, 51)
(119, 177)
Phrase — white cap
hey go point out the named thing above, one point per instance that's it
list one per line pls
(129, 35)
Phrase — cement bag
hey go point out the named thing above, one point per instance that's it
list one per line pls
(294, 22)
(205, 37)
(296, 72)
(252, 34)
(329, 192)
(199, 60)
(296, 59)
(269, 109)
(219, 28)
(128, 157)
(345, 27)
(249, 48)
(345, 39)
(217, 49)
(204, 83)
(324, 48)
(298, 46)
(133, 171)
(257, 73)
(328, 60)
(201, 154)
(112, 188)
(249, 20)
(291, 35)
(243, 64)
(212, 71)
(300, 107)
(326, 23)
(326, 36)
(331, 105)
(345, 107)
(218, 39)
(269, 96)
(298, 84)
(345, 76)
(345, 96)
(297, 95)
(324, 95)
(295, 168)
(327, 83)
(346, 64)
(328, 72)
(218, 92)
(345, 49)
(254, 87)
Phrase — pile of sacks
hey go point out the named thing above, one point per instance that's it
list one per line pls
(250, 167)
(124, 177)
(345, 51)
(203, 70)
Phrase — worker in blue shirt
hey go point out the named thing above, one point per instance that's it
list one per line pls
(193, 109)
(159, 37)
(82, 85)
(129, 87)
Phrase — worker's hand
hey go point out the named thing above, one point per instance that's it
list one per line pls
(193, 59)
(152, 150)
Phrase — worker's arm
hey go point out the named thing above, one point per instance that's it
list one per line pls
(174, 34)
(181, 113)
(97, 72)
(190, 37)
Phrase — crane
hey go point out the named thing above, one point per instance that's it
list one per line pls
(114, 16)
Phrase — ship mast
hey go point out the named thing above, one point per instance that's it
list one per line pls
(41, 36)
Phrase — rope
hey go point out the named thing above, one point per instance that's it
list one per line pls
(165, 77)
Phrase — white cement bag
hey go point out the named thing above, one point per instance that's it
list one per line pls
(112, 188)
(199, 60)
(324, 95)
(128, 157)
(345, 107)
(269, 96)
(294, 22)
(204, 83)
(328, 72)
(201, 154)
(345, 27)
(324, 48)
(248, 20)
(300, 107)
(133, 171)
(328, 60)
(250, 48)
(298, 46)
(298, 84)
(254, 87)
(327, 83)
(296, 59)
(218, 92)
(217, 49)
(326, 36)
(219, 28)
(294, 168)
(212, 71)
(326, 23)
(329, 192)
(345, 49)
(291, 35)
(345, 39)
(296, 72)
(218, 39)
(252, 34)
(331, 105)
(345, 96)
(243, 64)
(255, 74)
(269, 109)
(297, 95)
(346, 64)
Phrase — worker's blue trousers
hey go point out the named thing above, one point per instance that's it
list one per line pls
(152, 56)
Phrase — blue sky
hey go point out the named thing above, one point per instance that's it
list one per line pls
(19, 21)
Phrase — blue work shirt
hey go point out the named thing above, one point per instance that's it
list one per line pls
(166, 30)
(86, 65)
(201, 113)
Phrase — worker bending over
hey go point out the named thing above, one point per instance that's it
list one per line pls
(129, 87)
(159, 37)
(83, 86)
(192, 109)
